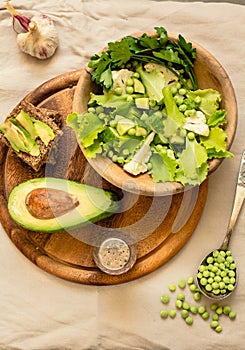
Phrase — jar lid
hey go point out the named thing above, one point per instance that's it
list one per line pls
(115, 254)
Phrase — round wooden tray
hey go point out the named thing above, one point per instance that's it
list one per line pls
(161, 226)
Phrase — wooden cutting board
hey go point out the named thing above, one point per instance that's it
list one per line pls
(161, 226)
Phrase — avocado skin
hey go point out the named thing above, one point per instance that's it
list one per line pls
(84, 214)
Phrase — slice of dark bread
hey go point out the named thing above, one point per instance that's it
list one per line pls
(49, 117)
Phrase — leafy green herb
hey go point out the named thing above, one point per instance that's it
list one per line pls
(173, 55)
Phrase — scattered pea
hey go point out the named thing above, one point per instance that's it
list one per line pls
(164, 313)
(184, 313)
(129, 90)
(197, 296)
(182, 284)
(182, 91)
(214, 324)
(118, 91)
(189, 320)
(215, 317)
(226, 310)
(205, 315)
(178, 304)
(186, 305)
(172, 313)
(201, 309)
(219, 310)
(165, 299)
(218, 329)
(232, 315)
(172, 287)
(194, 309)
(193, 287)
(181, 297)
(190, 280)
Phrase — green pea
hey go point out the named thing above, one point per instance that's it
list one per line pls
(230, 287)
(174, 90)
(129, 90)
(131, 132)
(164, 313)
(205, 315)
(215, 317)
(219, 310)
(201, 309)
(178, 304)
(226, 280)
(218, 329)
(172, 313)
(214, 324)
(215, 285)
(189, 320)
(186, 305)
(118, 91)
(182, 107)
(233, 266)
(208, 287)
(210, 280)
(226, 310)
(199, 275)
(130, 82)
(231, 273)
(228, 252)
(232, 315)
(213, 307)
(184, 313)
(190, 280)
(232, 280)
(182, 91)
(210, 260)
(203, 281)
(165, 299)
(191, 135)
(206, 273)
(197, 296)
(217, 278)
(172, 287)
(221, 285)
(193, 287)
(181, 297)
(182, 284)
(194, 309)
(215, 253)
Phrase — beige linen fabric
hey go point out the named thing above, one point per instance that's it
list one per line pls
(39, 311)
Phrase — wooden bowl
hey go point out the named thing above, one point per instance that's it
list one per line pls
(210, 74)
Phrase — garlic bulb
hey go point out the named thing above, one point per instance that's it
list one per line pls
(40, 38)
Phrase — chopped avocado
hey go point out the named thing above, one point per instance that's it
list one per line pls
(93, 204)
(142, 102)
(138, 86)
(44, 131)
(25, 120)
(123, 125)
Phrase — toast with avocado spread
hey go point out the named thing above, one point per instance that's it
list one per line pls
(31, 132)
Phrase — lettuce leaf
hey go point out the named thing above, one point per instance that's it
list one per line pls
(163, 167)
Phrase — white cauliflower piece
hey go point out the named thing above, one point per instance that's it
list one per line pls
(138, 164)
(197, 124)
(119, 79)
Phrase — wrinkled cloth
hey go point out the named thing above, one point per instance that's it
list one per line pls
(40, 311)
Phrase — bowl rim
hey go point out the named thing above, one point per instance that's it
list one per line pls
(143, 183)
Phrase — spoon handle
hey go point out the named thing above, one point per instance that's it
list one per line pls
(237, 204)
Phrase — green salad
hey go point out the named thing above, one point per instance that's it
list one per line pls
(150, 116)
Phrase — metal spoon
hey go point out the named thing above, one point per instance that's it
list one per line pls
(237, 205)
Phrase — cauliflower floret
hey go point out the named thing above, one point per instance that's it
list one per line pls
(119, 79)
(197, 124)
(138, 164)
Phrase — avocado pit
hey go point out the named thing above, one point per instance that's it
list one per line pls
(48, 203)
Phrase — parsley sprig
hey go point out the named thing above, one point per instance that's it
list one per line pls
(174, 55)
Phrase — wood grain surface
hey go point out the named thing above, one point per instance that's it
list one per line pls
(160, 226)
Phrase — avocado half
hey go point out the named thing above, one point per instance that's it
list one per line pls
(93, 205)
